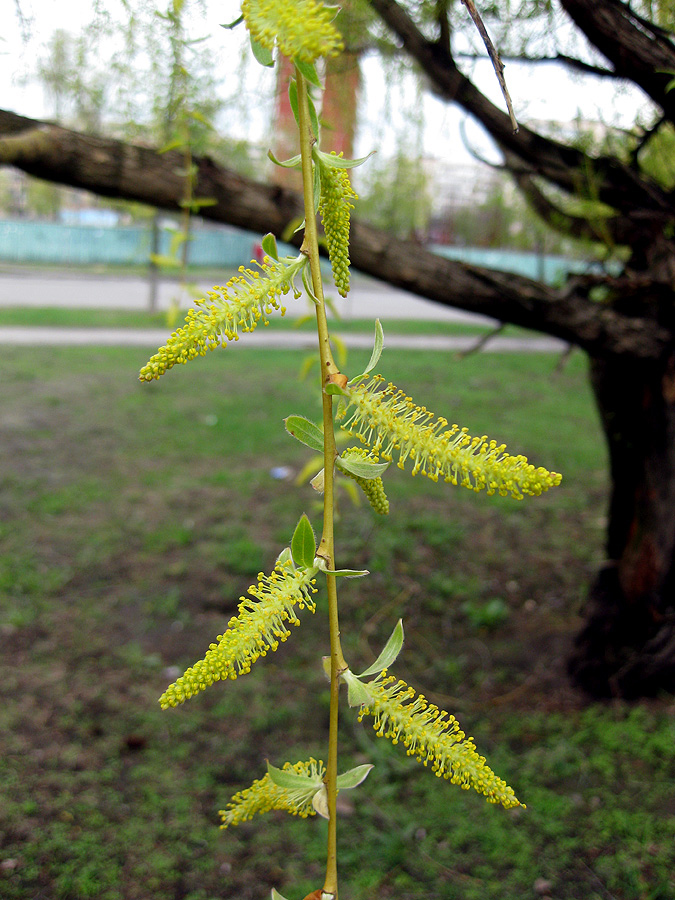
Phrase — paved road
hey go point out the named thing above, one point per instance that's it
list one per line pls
(154, 337)
(368, 298)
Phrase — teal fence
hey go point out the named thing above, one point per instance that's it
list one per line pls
(51, 242)
(215, 246)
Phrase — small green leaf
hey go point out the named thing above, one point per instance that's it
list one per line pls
(293, 100)
(320, 563)
(377, 352)
(305, 431)
(285, 556)
(269, 245)
(362, 468)
(291, 781)
(293, 163)
(292, 228)
(320, 802)
(350, 573)
(303, 545)
(336, 389)
(309, 288)
(339, 162)
(308, 72)
(354, 777)
(313, 118)
(391, 650)
(233, 24)
(261, 54)
(358, 693)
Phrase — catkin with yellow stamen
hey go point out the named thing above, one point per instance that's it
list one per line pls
(260, 626)
(335, 208)
(246, 300)
(434, 737)
(264, 795)
(302, 29)
(390, 423)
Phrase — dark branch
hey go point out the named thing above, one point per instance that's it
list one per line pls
(114, 169)
(603, 178)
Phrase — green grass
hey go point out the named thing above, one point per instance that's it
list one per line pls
(134, 516)
(60, 317)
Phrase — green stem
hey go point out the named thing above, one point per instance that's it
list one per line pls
(310, 246)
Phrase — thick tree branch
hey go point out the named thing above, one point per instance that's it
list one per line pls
(115, 169)
(603, 178)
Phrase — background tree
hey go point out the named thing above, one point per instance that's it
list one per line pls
(625, 323)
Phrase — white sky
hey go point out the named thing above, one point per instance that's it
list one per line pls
(548, 93)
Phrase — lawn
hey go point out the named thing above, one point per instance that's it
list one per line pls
(132, 519)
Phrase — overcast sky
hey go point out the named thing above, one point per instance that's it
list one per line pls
(548, 92)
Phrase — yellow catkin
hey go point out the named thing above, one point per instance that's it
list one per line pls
(302, 29)
(433, 737)
(264, 795)
(335, 210)
(259, 627)
(390, 423)
(246, 300)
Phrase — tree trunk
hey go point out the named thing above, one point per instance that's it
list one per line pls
(627, 647)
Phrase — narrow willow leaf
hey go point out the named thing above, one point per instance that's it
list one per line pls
(391, 650)
(320, 563)
(313, 118)
(354, 777)
(303, 544)
(269, 245)
(308, 72)
(309, 287)
(339, 162)
(375, 356)
(292, 781)
(357, 692)
(262, 54)
(293, 100)
(293, 227)
(292, 163)
(234, 24)
(362, 468)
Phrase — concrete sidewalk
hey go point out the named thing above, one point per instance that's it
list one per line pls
(289, 340)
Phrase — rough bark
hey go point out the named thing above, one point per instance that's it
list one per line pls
(627, 647)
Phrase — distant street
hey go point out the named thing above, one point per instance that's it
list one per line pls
(368, 299)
